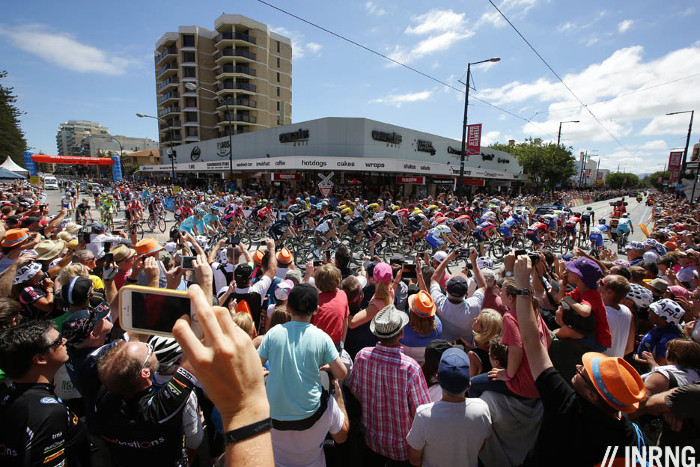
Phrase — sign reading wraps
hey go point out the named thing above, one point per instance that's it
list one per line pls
(410, 180)
(393, 138)
(473, 139)
(285, 177)
(293, 137)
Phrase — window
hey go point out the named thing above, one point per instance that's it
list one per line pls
(278, 76)
(278, 62)
(278, 46)
(190, 117)
(190, 102)
(278, 106)
(188, 57)
(189, 72)
(278, 91)
(188, 40)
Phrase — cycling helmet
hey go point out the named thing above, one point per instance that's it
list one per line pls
(373, 206)
(440, 220)
(85, 200)
(395, 207)
(346, 212)
(202, 240)
(433, 207)
(484, 262)
(668, 310)
(200, 211)
(625, 214)
(601, 221)
(577, 214)
(589, 208)
(166, 350)
(641, 296)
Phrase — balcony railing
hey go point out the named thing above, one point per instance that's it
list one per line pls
(170, 95)
(165, 53)
(167, 67)
(238, 53)
(242, 118)
(168, 110)
(238, 69)
(242, 86)
(236, 36)
(171, 80)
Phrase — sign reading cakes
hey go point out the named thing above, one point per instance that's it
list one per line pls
(295, 136)
(390, 138)
(425, 146)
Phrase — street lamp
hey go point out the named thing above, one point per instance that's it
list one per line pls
(464, 124)
(194, 87)
(170, 150)
(687, 142)
(559, 134)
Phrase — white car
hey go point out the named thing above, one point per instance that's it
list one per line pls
(50, 183)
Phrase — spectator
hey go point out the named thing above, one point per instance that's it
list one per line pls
(387, 414)
(124, 259)
(87, 259)
(452, 430)
(14, 242)
(433, 353)
(333, 312)
(665, 316)
(423, 326)
(34, 290)
(148, 248)
(98, 238)
(614, 289)
(383, 295)
(487, 325)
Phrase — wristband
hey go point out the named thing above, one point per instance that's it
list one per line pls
(248, 431)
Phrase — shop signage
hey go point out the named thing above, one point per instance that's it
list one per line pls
(451, 150)
(293, 137)
(503, 161)
(195, 154)
(474, 181)
(223, 149)
(410, 180)
(674, 165)
(425, 146)
(442, 181)
(393, 138)
(217, 165)
(326, 184)
(474, 139)
(487, 157)
(285, 177)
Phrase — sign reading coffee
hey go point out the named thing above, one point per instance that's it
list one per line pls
(425, 146)
(293, 137)
(392, 138)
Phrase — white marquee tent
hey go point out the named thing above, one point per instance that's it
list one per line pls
(10, 165)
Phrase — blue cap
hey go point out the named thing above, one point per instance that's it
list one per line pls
(453, 371)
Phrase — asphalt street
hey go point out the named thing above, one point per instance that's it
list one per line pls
(639, 213)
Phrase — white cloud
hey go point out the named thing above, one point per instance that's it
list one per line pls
(300, 49)
(445, 28)
(513, 9)
(63, 50)
(624, 26)
(566, 26)
(398, 99)
(374, 10)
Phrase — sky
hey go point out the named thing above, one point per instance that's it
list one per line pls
(624, 66)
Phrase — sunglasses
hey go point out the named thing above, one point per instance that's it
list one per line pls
(148, 355)
(56, 343)
(601, 283)
(581, 371)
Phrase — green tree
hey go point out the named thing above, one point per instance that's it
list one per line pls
(545, 164)
(12, 140)
(653, 179)
(621, 180)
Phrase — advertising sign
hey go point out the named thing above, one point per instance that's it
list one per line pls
(473, 139)
(410, 180)
(285, 177)
(674, 165)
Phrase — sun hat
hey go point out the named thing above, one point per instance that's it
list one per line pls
(668, 310)
(453, 371)
(258, 257)
(147, 246)
(422, 304)
(77, 291)
(26, 272)
(122, 253)
(659, 285)
(14, 237)
(284, 257)
(617, 382)
(65, 236)
(72, 228)
(457, 286)
(440, 256)
(388, 322)
(48, 249)
(641, 296)
(587, 270)
(484, 262)
(283, 289)
(78, 326)
(382, 273)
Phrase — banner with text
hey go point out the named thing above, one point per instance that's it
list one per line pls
(473, 139)
(674, 165)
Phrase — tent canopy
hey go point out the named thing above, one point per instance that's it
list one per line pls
(7, 174)
(10, 165)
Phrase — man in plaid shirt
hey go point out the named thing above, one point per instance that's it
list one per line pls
(390, 386)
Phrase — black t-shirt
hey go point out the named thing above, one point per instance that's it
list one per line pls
(38, 429)
(574, 431)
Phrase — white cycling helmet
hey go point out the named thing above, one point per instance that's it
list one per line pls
(202, 240)
(484, 262)
(641, 296)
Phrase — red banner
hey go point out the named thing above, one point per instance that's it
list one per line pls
(285, 177)
(72, 160)
(474, 139)
(674, 165)
(473, 181)
(410, 180)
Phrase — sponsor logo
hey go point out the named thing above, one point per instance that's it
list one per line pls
(48, 400)
(5, 451)
(299, 135)
(223, 148)
(650, 455)
(503, 161)
(313, 163)
(392, 138)
(487, 157)
(196, 153)
(135, 443)
(53, 456)
(425, 146)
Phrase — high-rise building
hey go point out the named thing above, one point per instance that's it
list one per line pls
(70, 136)
(243, 78)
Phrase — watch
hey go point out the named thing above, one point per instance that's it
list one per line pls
(524, 292)
(509, 273)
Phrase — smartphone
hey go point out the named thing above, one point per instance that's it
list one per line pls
(409, 271)
(234, 240)
(318, 262)
(520, 253)
(464, 252)
(109, 258)
(150, 310)
(187, 263)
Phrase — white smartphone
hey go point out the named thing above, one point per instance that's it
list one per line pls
(154, 311)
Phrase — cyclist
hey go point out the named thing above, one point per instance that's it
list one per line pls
(212, 220)
(355, 226)
(505, 229)
(587, 217)
(67, 202)
(571, 226)
(325, 232)
(536, 232)
(82, 211)
(483, 232)
(282, 228)
(624, 227)
(194, 225)
(107, 208)
(134, 212)
(596, 235)
(154, 208)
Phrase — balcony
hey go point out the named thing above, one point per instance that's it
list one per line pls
(230, 52)
(240, 119)
(241, 86)
(168, 110)
(169, 51)
(235, 36)
(164, 125)
(241, 102)
(232, 69)
(172, 80)
(168, 96)
(172, 66)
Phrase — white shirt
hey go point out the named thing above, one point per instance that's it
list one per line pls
(450, 433)
(305, 448)
(619, 323)
(457, 318)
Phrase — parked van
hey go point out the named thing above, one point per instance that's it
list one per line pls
(50, 183)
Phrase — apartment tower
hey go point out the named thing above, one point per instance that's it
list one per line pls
(243, 78)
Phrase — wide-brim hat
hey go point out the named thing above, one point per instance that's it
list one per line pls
(388, 322)
(422, 304)
(122, 253)
(48, 249)
(72, 228)
(14, 237)
(284, 257)
(147, 246)
(617, 382)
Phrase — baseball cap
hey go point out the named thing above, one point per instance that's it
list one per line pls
(382, 273)
(453, 371)
(283, 289)
(668, 310)
(78, 326)
(457, 286)
(243, 272)
(77, 291)
(587, 270)
(440, 256)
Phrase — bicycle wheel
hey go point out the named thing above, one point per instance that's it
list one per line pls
(161, 225)
(139, 230)
(151, 224)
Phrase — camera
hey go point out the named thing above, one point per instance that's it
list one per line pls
(234, 240)
(534, 258)
(464, 252)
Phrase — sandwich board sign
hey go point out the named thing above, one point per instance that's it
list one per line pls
(325, 185)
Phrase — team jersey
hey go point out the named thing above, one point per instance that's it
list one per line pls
(572, 221)
(624, 225)
(537, 227)
(510, 223)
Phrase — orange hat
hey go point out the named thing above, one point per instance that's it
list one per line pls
(422, 304)
(258, 257)
(671, 245)
(147, 246)
(14, 237)
(617, 382)
(284, 257)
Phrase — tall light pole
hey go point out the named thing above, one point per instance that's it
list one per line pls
(460, 187)
(194, 87)
(559, 134)
(687, 141)
(170, 150)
